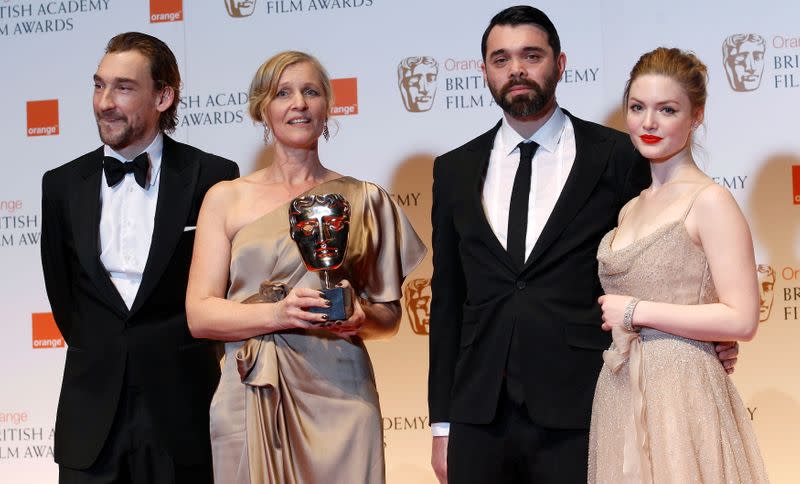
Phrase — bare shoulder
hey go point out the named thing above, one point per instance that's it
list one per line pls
(715, 211)
(224, 194)
(715, 197)
(224, 189)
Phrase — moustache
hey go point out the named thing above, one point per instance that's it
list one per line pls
(110, 116)
(521, 82)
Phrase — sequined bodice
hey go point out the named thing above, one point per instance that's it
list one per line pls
(664, 266)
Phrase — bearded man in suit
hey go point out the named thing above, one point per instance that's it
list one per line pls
(117, 238)
(518, 213)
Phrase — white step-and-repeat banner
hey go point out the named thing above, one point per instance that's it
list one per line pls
(389, 132)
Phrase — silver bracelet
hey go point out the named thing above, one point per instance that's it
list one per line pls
(627, 317)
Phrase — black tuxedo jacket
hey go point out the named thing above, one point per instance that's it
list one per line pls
(480, 296)
(150, 343)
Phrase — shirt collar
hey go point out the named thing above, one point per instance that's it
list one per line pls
(547, 136)
(154, 152)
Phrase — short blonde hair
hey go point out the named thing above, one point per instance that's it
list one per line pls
(264, 85)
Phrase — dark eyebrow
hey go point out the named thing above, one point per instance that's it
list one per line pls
(117, 80)
(539, 50)
(496, 53)
(528, 49)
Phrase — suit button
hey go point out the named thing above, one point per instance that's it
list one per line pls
(521, 285)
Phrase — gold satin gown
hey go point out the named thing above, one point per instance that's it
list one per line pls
(664, 409)
(301, 406)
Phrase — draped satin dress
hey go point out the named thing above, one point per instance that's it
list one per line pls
(664, 409)
(302, 406)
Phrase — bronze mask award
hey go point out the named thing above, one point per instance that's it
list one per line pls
(319, 225)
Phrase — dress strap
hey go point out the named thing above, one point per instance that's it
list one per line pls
(694, 197)
(634, 201)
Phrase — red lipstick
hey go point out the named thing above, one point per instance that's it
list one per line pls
(650, 139)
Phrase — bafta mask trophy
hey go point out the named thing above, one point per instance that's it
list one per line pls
(319, 225)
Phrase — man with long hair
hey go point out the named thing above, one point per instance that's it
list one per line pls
(117, 239)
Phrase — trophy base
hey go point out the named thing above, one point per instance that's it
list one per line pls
(341, 304)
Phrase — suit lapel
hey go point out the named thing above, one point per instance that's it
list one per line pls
(481, 149)
(85, 217)
(175, 195)
(591, 158)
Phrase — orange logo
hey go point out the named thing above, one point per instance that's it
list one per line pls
(345, 96)
(417, 299)
(42, 117)
(45, 331)
(796, 184)
(166, 11)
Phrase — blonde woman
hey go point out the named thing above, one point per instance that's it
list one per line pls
(297, 399)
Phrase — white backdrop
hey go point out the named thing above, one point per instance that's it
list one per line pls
(50, 50)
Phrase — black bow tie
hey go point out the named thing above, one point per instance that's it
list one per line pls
(116, 170)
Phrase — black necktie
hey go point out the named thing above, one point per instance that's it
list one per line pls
(116, 170)
(518, 210)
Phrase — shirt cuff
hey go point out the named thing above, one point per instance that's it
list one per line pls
(440, 429)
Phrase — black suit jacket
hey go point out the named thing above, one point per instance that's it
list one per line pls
(479, 295)
(151, 341)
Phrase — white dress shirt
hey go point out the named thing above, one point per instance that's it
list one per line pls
(127, 215)
(551, 165)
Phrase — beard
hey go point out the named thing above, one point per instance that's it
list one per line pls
(117, 137)
(524, 105)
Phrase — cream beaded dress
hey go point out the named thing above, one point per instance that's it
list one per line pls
(664, 409)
